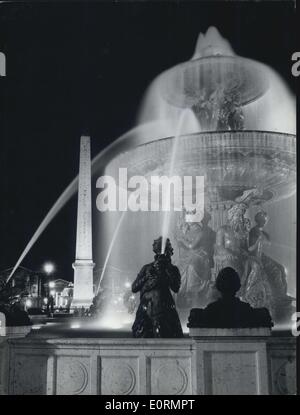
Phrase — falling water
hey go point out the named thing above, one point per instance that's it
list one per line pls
(167, 197)
(111, 245)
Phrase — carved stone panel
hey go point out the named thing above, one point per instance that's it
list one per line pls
(73, 375)
(283, 373)
(119, 376)
(170, 375)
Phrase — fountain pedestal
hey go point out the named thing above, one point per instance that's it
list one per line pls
(218, 212)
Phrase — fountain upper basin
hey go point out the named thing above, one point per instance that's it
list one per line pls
(232, 163)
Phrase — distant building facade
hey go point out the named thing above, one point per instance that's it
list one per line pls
(37, 289)
(61, 291)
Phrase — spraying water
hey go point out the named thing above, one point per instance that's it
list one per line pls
(111, 245)
(167, 197)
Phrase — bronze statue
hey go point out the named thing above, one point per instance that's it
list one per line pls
(229, 311)
(258, 238)
(156, 315)
(196, 246)
(232, 250)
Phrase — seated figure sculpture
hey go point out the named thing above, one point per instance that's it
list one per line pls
(232, 250)
(156, 315)
(196, 246)
(274, 271)
(229, 311)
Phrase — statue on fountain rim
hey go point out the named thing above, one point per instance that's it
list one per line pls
(196, 242)
(232, 250)
(275, 272)
(156, 316)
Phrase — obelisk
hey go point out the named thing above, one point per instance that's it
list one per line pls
(83, 265)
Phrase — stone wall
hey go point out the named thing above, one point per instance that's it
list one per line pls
(206, 365)
(3, 366)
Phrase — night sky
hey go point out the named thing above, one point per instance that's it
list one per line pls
(82, 68)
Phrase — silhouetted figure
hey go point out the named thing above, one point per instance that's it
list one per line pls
(229, 311)
(15, 314)
(50, 305)
(12, 306)
(156, 315)
(93, 309)
(232, 250)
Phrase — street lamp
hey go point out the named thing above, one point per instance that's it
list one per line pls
(28, 304)
(49, 268)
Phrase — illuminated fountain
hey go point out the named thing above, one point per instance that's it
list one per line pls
(232, 121)
(242, 143)
(220, 116)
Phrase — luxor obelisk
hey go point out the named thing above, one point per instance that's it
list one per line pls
(83, 265)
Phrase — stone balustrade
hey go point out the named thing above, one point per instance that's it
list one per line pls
(208, 363)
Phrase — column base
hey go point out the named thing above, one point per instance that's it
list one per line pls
(83, 284)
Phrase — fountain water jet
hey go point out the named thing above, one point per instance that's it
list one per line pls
(111, 245)
(183, 119)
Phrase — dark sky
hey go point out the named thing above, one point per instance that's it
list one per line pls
(76, 68)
